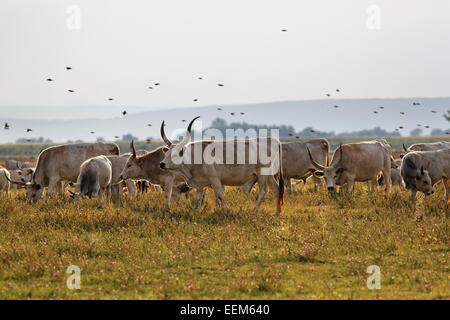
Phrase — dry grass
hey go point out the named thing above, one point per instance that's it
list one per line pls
(320, 248)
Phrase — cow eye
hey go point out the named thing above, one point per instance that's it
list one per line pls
(129, 166)
(425, 182)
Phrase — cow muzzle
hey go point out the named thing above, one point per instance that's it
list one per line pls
(330, 188)
(162, 165)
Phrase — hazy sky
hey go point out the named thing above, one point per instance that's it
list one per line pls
(122, 47)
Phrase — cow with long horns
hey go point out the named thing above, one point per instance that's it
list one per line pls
(232, 162)
(356, 162)
(146, 167)
(421, 170)
(428, 146)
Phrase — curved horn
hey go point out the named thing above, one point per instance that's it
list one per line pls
(20, 183)
(318, 166)
(133, 150)
(190, 124)
(404, 148)
(188, 134)
(163, 136)
(17, 165)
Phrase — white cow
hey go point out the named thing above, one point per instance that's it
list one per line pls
(4, 180)
(95, 177)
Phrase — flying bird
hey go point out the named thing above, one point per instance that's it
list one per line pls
(242, 113)
(116, 137)
(219, 108)
(49, 79)
(328, 94)
(149, 141)
(157, 84)
(150, 87)
(376, 112)
(232, 113)
(70, 90)
(124, 112)
(337, 90)
(381, 107)
(220, 85)
(195, 100)
(400, 127)
(68, 68)
(402, 112)
(200, 78)
(110, 99)
(336, 106)
(283, 30)
(92, 132)
(183, 120)
(427, 127)
(433, 111)
(6, 126)
(29, 130)
(149, 125)
(312, 130)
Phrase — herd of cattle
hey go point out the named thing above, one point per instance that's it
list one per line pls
(98, 169)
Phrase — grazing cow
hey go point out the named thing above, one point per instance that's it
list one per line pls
(59, 163)
(146, 167)
(422, 169)
(360, 162)
(23, 175)
(430, 146)
(217, 169)
(95, 177)
(297, 164)
(4, 180)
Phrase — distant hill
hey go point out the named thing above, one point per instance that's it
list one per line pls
(76, 123)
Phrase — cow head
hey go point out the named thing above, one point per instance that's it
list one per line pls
(416, 178)
(173, 158)
(34, 190)
(23, 175)
(134, 167)
(333, 175)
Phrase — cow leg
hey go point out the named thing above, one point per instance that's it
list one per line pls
(349, 186)
(219, 191)
(273, 184)
(447, 189)
(51, 186)
(14, 186)
(317, 181)
(289, 186)
(200, 196)
(131, 186)
(413, 196)
(168, 184)
(262, 182)
(387, 176)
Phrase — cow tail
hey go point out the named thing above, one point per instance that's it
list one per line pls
(281, 184)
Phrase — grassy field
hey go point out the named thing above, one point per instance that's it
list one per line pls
(319, 248)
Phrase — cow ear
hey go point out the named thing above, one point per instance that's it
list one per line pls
(402, 155)
(165, 149)
(340, 170)
(318, 173)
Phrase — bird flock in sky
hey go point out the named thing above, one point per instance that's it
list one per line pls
(156, 84)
